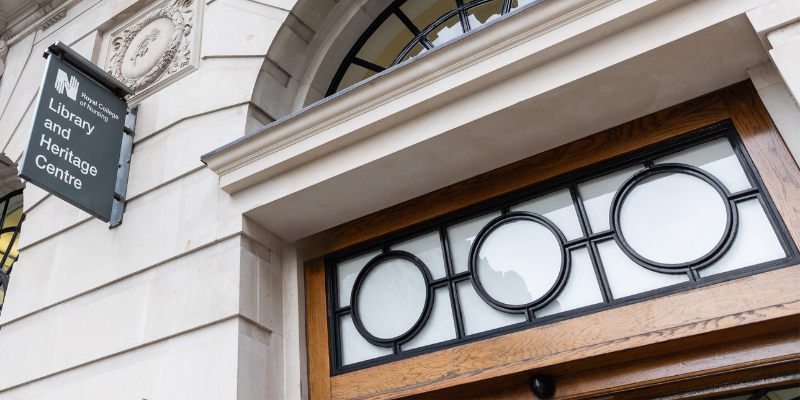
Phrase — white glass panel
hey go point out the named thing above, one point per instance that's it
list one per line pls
(347, 272)
(626, 278)
(718, 159)
(755, 241)
(673, 218)
(427, 248)
(479, 316)
(519, 262)
(558, 208)
(581, 290)
(597, 195)
(392, 298)
(440, 326)
(461, 236)
(354, 347)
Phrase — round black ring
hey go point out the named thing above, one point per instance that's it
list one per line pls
(704, 261)
(555, 290)
(426, 311)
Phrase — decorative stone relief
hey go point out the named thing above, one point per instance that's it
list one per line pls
(154, 48)
(3, 51)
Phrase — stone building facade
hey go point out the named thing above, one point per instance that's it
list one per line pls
(252, 172)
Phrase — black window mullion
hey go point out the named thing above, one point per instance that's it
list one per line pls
(506, 7)
(455, 305)
(407, 22)
(368, 65)
(591, 247)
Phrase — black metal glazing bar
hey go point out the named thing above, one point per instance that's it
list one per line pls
(5, 211)
(591, 246)
(744, 194)
(506, 7)
(455, 304)
(462, 15)
(368, 65)
(407, 22)
(590, 240)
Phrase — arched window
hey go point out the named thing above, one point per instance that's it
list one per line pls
(409, 28)
(10, 223)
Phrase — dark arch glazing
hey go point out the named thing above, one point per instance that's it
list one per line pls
(418, 26)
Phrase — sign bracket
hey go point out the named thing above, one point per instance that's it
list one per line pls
(123, 168)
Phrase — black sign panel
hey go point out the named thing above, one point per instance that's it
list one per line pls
(74, 146)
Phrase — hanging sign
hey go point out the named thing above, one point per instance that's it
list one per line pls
(74, 144)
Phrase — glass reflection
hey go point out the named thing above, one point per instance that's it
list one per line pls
(597, 195)
(559, 209)
(718, 159)
(479, 316)
(354, 347)
(391, 298)
(461, 237)
(755, 241)
(519, 262)
(447, 31)
(581, 289)
(673, 218)
(428, 248)
(440, 326)
(484, 13)
(347, 272)
(627, 278)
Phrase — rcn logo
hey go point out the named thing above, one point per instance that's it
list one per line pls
(63, 81)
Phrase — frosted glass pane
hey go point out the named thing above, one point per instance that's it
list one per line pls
(479, 316)
(354, 347)
(440, 326)
(427, 248)
(755, 241)
(581, 290)
(597, 195)
(461, 236)
(718, 159)
(347, 272)
(673, 218)
(626, 278)
(559, 209)
(519, 262)
(392, 298)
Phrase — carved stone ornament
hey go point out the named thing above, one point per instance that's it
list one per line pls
(155, 46)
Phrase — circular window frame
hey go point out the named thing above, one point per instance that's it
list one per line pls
(712, 256)
(555, 289)
(426, 310)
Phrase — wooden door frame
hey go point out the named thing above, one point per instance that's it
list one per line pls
(622, 352)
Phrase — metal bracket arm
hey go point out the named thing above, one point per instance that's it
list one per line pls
(124, 169)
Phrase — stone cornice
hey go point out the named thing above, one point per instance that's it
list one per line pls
(408, 90)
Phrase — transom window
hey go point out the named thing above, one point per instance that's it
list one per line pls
(409, 28)
(688, 214)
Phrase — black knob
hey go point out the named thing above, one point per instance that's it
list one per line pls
(543, 387)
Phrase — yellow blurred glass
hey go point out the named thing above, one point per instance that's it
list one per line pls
(424, 12)
(386, 43)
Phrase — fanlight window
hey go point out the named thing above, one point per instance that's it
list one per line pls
(10, 223)
(669, 220)
(409, 28)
